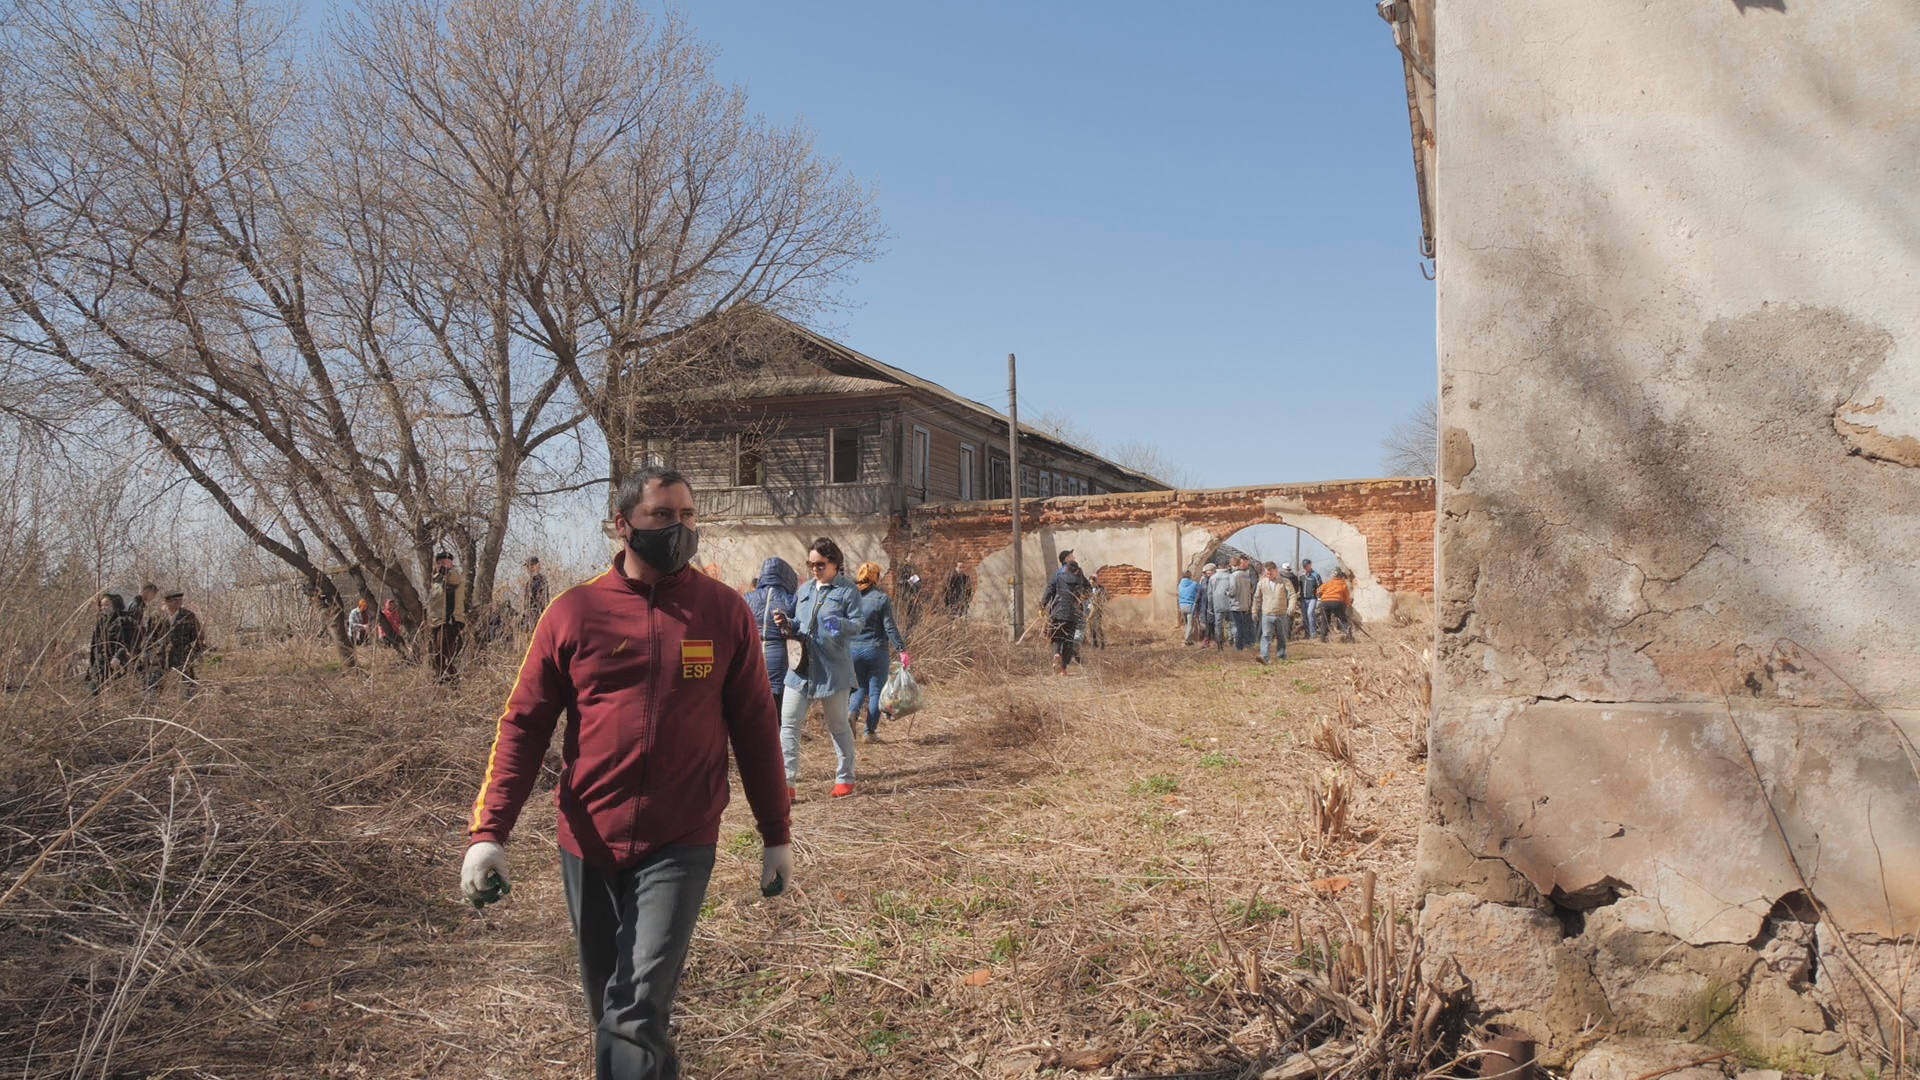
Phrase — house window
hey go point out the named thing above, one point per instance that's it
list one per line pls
(966, 471)
(749, 459)
(922, 449)
(656, 453)
(999, 479)
(844, 455)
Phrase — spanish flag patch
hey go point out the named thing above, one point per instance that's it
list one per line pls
(696, 659)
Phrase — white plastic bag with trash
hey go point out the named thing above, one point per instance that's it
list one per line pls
(901, 695)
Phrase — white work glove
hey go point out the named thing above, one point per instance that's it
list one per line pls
(483, 876)
(776, 870)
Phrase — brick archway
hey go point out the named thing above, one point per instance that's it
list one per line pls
(1380, 529)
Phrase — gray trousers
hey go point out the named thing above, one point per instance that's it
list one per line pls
(793, 717)
(633, 927)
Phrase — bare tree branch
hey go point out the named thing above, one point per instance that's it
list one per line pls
(1412, 448)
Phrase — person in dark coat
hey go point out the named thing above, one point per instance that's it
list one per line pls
(774, 592)
(1062, 604)
(1204, 630)
(148, 620)
(114, 635)
(959, 593)
(180, 647)
(536, 592)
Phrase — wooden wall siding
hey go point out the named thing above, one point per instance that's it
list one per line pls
(797, 453)
(943, 467)
(797, 459)
(707, 462)
(797, 456)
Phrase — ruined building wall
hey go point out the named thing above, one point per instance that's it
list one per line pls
(1678, 654)
(1381, 529)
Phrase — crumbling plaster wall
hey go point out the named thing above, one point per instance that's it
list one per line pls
(1380, 529)
(1678, 649)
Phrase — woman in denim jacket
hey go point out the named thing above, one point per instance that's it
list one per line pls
(871, 656)
(826, 619)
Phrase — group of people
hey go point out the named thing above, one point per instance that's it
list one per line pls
(447, 616)
(146, 638)
(1245, 603)
(654, 670)
(830, 641)
(388, 626)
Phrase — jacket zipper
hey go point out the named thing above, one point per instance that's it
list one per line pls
(653, 693)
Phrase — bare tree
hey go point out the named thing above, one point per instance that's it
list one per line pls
(1135, 454)
(1412, 448)
(1148, 458)
(1065, 428)
(629, 198)
(191, 235)
(368, 305)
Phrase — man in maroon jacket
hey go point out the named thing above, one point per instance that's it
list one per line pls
(656, 668)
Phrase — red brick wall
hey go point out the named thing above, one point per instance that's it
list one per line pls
(1121, 579)
(1395, 516)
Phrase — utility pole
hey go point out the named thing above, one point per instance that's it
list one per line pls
(1013, 454)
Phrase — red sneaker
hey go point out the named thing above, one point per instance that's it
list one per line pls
(792, 793)
(841, 791)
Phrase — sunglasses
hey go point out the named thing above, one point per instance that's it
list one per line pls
(818, 565)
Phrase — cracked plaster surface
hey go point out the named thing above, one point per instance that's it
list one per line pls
(1652, 810)
(1657, 514)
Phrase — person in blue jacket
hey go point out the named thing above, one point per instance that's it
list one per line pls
(825, 620)
(1189, 592)
(872, 658)
(774, 592)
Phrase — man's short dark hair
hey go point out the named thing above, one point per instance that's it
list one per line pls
(634, 487)
(149, 587)
(1306, 562)
(1273, 568)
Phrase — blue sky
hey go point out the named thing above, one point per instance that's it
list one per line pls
(1195, 224)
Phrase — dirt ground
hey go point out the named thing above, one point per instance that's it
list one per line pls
(1081, 873)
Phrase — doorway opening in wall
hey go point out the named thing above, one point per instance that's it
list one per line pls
(1283, 546)
(1277, 544)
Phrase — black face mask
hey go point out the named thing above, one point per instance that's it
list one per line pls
(667, 550)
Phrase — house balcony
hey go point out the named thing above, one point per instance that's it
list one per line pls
(786, 503)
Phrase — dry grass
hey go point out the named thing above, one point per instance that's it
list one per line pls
(1109, 872)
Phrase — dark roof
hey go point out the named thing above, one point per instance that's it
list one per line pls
(889, 373)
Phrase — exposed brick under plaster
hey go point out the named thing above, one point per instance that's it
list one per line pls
(1395, 517)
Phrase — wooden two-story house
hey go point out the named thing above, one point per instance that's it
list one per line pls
(797, 436)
